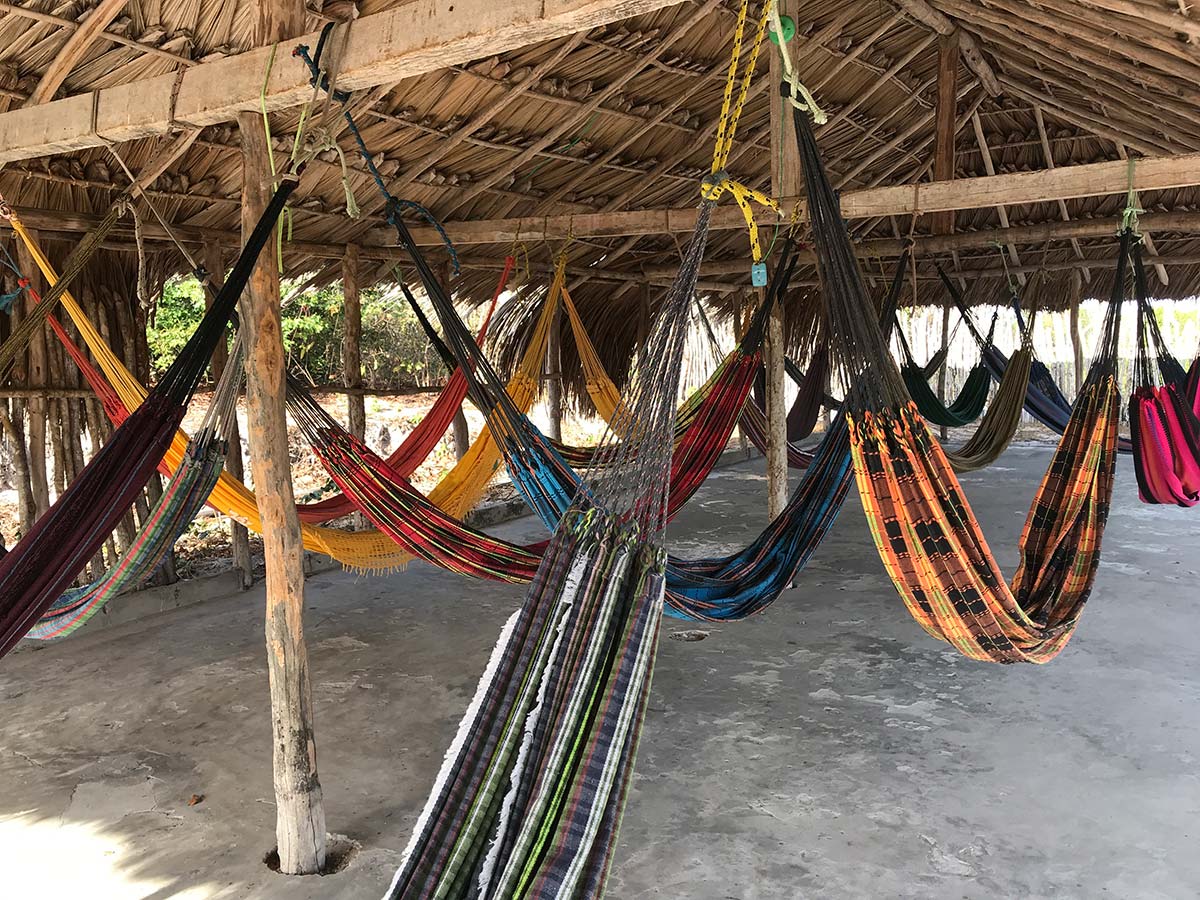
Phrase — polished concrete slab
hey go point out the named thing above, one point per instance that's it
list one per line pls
(826, 749)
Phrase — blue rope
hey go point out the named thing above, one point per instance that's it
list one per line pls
(394, 205)
(7, 300)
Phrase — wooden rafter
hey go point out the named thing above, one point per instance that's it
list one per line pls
(74, 50)
(382, 48)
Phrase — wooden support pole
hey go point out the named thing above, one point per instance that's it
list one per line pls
(945, 116)
(35, 377)
(786, 181)
(1076, 338)
(352, 343)
(552, 378)
(944, 370)
(239, 535)
(299, 810)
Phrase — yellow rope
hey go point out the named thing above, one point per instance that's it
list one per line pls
(718, 182)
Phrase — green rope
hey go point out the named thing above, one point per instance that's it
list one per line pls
(1129, 217)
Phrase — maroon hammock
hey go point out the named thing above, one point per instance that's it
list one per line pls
(48, 559)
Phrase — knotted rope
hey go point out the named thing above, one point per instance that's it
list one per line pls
(719, 182)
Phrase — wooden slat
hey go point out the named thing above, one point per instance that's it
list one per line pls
(408, 40)
(1063, 183)
(74, 50)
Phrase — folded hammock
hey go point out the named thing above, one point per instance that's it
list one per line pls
(182, 498)
(965, 408)
(48, 559)
(529, 797)
(923, 527)
(1162, 415)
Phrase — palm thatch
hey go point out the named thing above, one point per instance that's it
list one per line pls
(621, 118)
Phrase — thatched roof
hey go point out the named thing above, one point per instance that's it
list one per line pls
(621, 117)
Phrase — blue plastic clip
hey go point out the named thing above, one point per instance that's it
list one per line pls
(758, 274)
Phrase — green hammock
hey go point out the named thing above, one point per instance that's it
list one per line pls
(965, 408)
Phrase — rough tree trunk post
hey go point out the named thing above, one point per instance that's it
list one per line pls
(1076, 338)
(786, 181)
(942, 372)
(945, 120)
(239, 535)
(460, 431)
(300, 812)
(553, 377)
(352, 344)
(36, 377)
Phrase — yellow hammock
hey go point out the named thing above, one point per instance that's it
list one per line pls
(457, 493)
(600, 387)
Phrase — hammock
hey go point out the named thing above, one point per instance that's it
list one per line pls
(541, 474)
(458, 491)
(1162, 418)
(965, 408)
(1003, 417)
(419, 443)
(802, 417)
(1044, 399)
(922, 525)
(182, 498)
(46, 560)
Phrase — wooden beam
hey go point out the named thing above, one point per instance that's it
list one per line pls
(73, 51)
(1048, 158)
(299, 808)
(1065, 182)
(943, 25)
(1173, 21)
(945, 116)
(990, 167)
(412, 39)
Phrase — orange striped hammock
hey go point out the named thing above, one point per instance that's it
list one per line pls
(922, 525)
(935, 551)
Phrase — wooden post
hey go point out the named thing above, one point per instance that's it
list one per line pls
(552, 377)
(942, 372)
(786, 178)
(945, 123)
(352, 343)
(300, 812)
(239, 535)
(945, 116)
(37, 408)
(462, 434)
(1076, 338)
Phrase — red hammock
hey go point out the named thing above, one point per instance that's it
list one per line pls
(403, 461)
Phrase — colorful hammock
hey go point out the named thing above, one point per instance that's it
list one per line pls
(45, 561)
(184, 495)
(458, 491)
(923, 527)
(1044, 399)
(965, 408)
(1003, 417)
(1163, 425)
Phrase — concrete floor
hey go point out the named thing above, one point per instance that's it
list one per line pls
(827, 748)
